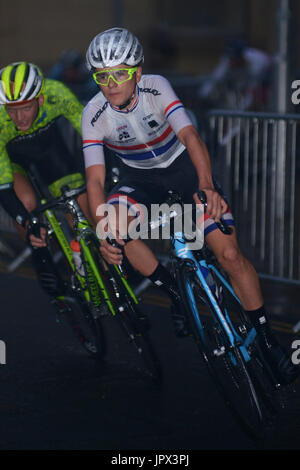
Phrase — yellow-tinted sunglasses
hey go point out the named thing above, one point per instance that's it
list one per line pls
(118, 75)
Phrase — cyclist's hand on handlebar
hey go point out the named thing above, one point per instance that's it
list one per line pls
(111, 254)
(216, 206)
(32, 235)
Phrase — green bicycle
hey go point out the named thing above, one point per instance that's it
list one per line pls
(94, 289)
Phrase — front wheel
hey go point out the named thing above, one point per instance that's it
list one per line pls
(265, 383)
(226, 364)
(129, 318)
(125, 311)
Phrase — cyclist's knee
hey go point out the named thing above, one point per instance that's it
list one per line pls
(231, 258)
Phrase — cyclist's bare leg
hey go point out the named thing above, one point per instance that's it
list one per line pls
(245, 282)
(27, 196)
(141, 257)
(145, 262)
(138, 253)
(83, 202)
(241, 272)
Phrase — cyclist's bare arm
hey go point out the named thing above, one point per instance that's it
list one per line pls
(198, 152)
(95, 180)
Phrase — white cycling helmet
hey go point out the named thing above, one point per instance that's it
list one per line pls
(113, 47)
(20, 81)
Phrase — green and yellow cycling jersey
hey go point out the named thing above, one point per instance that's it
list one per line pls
(41, 144)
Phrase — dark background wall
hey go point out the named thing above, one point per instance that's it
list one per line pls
(196, 29)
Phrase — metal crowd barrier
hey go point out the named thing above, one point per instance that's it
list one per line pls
(256, 161)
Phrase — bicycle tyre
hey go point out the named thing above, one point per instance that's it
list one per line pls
(85, 326)
(148, 363)
(227, 369)
(128, 316)
(259, 370)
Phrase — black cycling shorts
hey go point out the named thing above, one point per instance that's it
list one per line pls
(151, 186)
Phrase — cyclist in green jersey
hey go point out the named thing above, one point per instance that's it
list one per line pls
(32, 144)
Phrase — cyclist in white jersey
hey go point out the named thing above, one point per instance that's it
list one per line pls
(142, 120)
(146, 138)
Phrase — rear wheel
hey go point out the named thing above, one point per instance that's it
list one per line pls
(84, 324)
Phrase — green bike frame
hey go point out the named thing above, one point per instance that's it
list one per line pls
(83, 225)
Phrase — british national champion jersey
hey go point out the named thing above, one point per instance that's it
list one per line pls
(143, 136)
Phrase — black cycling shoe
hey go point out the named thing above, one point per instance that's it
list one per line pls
(278, 359)
(178, 315)
(180, 323)
(47, 274)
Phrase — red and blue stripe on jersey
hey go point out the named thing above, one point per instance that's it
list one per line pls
(144, 136)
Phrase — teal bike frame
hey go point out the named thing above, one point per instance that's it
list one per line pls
(183, 252)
